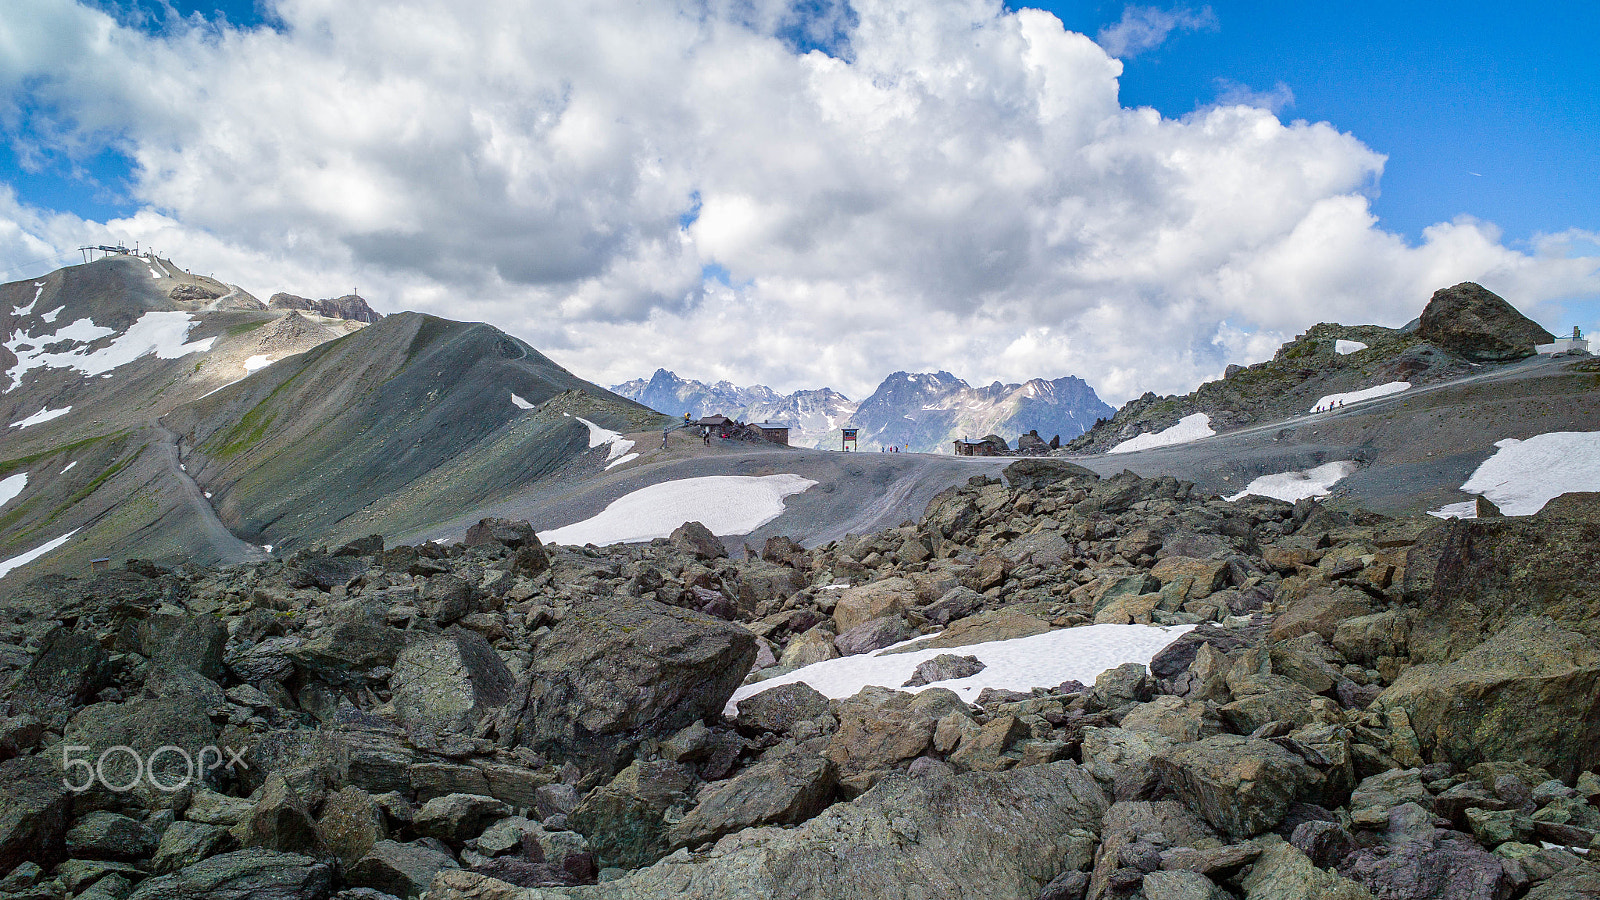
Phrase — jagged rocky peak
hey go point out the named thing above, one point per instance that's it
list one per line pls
(351, 307)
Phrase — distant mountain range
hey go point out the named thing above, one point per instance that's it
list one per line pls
(921, 412)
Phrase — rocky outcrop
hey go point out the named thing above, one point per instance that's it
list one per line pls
(1475, 322)
(449, 682)
(349, 307)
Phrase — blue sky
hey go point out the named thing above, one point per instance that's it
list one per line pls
(1509, 91)
(612, 179)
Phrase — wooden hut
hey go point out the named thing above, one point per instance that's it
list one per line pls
(772, 431)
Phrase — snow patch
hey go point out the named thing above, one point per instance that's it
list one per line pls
(520, 403)
(1522, 476)
(68, 468)
(1467, 509)
(257, 362)
(161, 333)
(35, 553)
(624, 458)
(1344, 347)
(1189, 428)
(11, 487)
(1292, 486)
(598, 436)
(43, 415)
(1019, 664)
(726, 504)
(38, 289)
(1382, 390)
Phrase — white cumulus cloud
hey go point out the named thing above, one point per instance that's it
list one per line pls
(886, 184)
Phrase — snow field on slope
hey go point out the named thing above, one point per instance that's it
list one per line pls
(38, 290)
(23, 559)
(43, 415)
(726, 504)
(1298, 485)
(12, 486)
(1189, 428)
(257, 362)
(1019, 664)
(161, 333)
(1343, 347)
(598, 436)
(1382, 390)
(1467, 509)
(1522, 476)
(520, 403)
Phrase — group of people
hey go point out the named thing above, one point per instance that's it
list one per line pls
(889, 449)
(1332, 404)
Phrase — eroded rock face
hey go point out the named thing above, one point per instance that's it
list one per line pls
(1475, 322)
(1530, 692)
(786, 790)
(1242, 786)
(254, 874)
(616, 672)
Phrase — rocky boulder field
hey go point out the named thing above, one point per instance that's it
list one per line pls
(1345, 706)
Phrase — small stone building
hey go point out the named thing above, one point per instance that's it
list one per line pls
(965, 447)
(772, 431)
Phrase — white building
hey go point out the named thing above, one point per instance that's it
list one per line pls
(1576, 342)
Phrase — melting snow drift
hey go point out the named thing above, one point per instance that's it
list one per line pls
(43, 415)
(1522, 476)
(1292, 486)
(1344, 347)
(520, 403)
(257, 362)
(1467, 509)
(1019, 664)
(1382, 390)
(726, 504)
(1189, 428)
(161, 333)
(7, 565)
(12, 486)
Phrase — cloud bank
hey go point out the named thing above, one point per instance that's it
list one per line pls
(801, 194)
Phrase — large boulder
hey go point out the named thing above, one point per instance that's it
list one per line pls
(616, 672)
(244, 875)
(68, 670)
(1475, 322)
(781, 789)
(1471, 577)
(401, 870)
(698, 541)
(1242, 786)
(859, 605)
(778, 709)
(447, 682)
(999, 836)
(1530, 692)
(144, 726)
(34, 808)
(1283, 873)
(625, 820)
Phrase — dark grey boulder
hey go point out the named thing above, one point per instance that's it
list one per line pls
(1242, 786)
(242, 875)
(625, 821)
(776, 710)
(448, 682)
(69, 669)
(615, 672)
(404, 870)
(109, 835)
(944, 667)
(785, 790)
(696, 539)
(874, 634)
(34, 806)
(185, 843)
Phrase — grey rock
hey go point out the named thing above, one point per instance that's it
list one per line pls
(279, 820)
(242, 875)
(616, 672)
(785, 790)
(458, 817)
(68, 670)
(1478, 324)
(1181, 886)
(1326, 844)
(1066, 886)
(108, 835)
(448, 682)
(898, 840)
(404, 870)
(34, 807)
(186, 843)
(350, 823)
(957, 603)
(776, 710)
(625, 819)
(695, 538)
(1242, 786)
(944, 667)
(874, 634)
(1284, 873)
